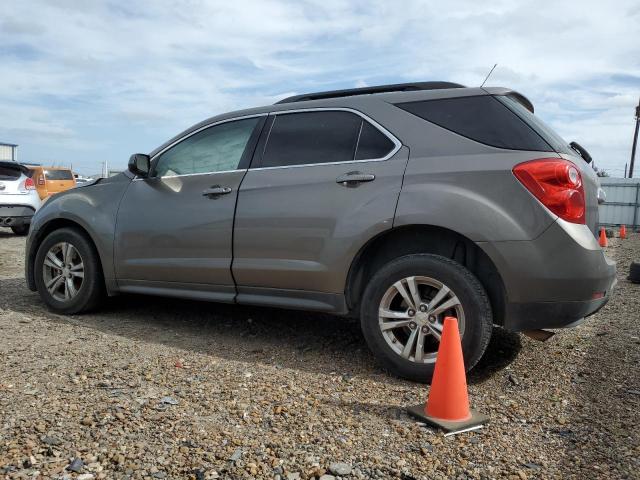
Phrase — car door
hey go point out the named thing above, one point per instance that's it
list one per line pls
(322, 183)
(174, 228)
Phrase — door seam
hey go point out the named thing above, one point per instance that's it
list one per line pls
(235, 211)
(115, 231)
(406, 166)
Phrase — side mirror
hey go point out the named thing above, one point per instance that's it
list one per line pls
(139, 164)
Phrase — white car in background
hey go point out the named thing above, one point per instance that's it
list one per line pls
(19, 199)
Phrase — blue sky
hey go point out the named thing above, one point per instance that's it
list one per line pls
(84, 82)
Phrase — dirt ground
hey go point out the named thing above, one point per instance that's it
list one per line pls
(160, 388)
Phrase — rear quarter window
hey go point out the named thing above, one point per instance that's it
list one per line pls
(482, 118)
(58, 174)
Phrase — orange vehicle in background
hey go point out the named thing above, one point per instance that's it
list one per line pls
(50, 180)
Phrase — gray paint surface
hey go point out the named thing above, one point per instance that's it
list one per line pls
(297, 231)
(169, 231)
(296, 228)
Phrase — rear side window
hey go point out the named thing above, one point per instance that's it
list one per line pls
(58, 174)
(372, 143)
(323, 137)
(483, 119)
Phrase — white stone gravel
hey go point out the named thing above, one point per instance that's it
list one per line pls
(159, 388)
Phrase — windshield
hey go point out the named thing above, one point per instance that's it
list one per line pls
(541, 128)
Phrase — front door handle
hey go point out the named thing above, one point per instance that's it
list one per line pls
(215, 191)
(354, 178)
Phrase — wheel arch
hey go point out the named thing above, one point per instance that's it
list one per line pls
(413, 239)
(42, 233)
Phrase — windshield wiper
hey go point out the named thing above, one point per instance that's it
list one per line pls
(581, 151)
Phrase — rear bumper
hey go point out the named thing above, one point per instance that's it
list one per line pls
(15, 215)
(536, 315)
(552, 281)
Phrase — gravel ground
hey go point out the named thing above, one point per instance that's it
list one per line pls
(155, 388)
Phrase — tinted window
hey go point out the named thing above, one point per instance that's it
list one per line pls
(311, 137)
(9, 172)
(58, 174)
(372, 143)
(483, 119)
(552, 138)
(215, 149)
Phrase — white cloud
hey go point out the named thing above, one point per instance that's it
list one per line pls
(117, 77)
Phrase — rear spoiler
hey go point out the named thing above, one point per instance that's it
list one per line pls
(518, 97)
(522, 100)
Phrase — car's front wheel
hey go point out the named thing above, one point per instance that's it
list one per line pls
(403, 310)
(67, 272)
(20, 229)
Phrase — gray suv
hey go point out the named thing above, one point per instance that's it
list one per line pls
(398, 204)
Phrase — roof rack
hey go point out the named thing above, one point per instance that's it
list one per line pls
(398, 87)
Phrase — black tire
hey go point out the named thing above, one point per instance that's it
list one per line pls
(20, 229)
(473, 299)
(634, 272)
(91, 291)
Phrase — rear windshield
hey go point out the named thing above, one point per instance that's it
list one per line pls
(481, 118)
(58, 174)
(10, 172)
(541, 128)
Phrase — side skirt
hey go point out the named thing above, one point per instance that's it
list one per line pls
(293, 299)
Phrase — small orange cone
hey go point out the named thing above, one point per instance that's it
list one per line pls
(448, 403)
(623, 231)
(603, 238)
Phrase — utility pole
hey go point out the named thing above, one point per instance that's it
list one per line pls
(635, 141)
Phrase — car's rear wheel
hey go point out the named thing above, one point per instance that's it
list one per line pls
(403, 310)
(67, 272)
(20, 229)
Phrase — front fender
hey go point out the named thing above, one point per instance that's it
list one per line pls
(93, 208)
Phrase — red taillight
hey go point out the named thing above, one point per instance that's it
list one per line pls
(29, 185)
(557, 183)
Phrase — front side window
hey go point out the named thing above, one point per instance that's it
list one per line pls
(215, 149)
(306, 138)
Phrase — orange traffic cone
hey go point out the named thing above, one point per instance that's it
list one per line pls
(448, 403)
(603, 238)
(623, 231)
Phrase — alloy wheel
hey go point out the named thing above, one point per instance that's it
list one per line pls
(411, 316)
(63, 271)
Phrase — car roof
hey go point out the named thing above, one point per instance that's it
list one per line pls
(49, 168)
(353, 98)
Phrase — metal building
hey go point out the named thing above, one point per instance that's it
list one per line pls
(8, 151)
(622, 205)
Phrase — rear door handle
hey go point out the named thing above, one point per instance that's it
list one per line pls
(215, 191)
(353, 178)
